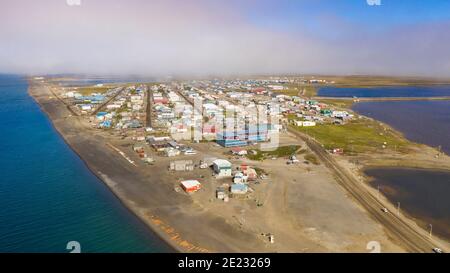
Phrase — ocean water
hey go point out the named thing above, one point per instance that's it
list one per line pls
(83, 80)
(394, 91)
(48, 197)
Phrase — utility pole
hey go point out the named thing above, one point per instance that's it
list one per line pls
(398, 208)
(378, 192)
(431, 230)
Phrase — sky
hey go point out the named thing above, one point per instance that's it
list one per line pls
(228, 37)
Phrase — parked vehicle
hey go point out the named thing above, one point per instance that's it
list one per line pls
(190, 152)
(437, 250)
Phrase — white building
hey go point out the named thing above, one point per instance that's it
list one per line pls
(222, 168)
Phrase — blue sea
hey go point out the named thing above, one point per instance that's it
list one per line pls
(48, 197)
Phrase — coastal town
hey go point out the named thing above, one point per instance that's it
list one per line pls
(225, 133)
(170, 120)
(228, 155)
(231, 151)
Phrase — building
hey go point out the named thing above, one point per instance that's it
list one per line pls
(239, 151)
(309, 124)
(171, 152)
(240, 178)
(222, 168)
(191, 186)
(300, 123)
(182, 165)
(239, 189)
(250, 173)
(239, 138)
(220, 193)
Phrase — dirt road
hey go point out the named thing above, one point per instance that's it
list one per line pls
(412, 238)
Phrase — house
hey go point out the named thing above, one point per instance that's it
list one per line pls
(174, 144)
(138, 148)
(239, 151)
(326, 112)
(220, 193)
(171, 152)
(105, 124)
(222, 168)
(276, 87)
(191, 186)
(340, 114)
(101, 116)
(239, 189)
(309, 124)
(86, 107)
(250, 173)
(297, 123)
(182, 165)
(240, 178)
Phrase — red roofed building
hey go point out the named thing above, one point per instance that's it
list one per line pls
(259, 90)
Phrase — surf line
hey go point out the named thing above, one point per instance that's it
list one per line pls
(122, 154)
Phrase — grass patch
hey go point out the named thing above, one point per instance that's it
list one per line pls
(375, 81)
(357, 137)
(347, 104)
(309, 91)
(279, 152)
(85, 91)
(312, 158)
(260, 171)
(305, 90)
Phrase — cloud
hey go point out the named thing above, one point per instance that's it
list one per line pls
(156, 38)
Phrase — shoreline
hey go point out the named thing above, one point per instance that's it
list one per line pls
(411, 213)
(175, 218)
(151, 227)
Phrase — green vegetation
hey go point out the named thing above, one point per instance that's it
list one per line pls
(312, 158)
(279, 152)
(307, 90)
(357, 137)
(289, 91)
(260, 171)
(376, 81)
(122, 109)
(347, 104)
(85, 91)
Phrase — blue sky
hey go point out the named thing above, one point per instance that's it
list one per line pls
(292, 14)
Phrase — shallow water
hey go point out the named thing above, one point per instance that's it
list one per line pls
(423, 194)
(48, 197)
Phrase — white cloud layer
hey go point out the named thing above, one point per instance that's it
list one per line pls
(203, 38)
